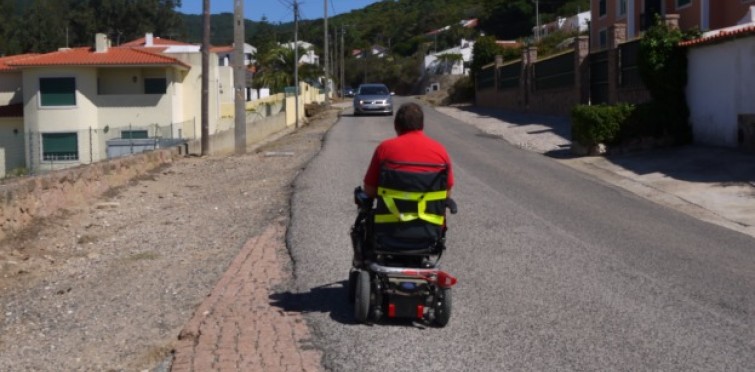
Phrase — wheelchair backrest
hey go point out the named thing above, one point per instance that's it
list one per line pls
(411, 202)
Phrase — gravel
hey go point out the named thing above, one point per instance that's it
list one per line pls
(108, 286)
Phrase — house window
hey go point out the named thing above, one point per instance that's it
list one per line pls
(57, 91)
(603, 38)
(602, 7)
(60, 146)
(622, 8)
(133, 134)
(682, 3)
(155, 85)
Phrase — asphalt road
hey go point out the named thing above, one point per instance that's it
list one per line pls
(557, 270)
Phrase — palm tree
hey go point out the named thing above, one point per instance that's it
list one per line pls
(276, 69)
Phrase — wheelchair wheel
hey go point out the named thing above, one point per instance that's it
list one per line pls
(362, 297)
(352, 286)
(443, 307)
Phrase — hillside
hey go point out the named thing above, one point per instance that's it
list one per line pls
(400, 25)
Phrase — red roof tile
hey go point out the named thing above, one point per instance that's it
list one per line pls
(222, 49)
(5, 60)
(87, 57)
(15, 110)
(722, 35)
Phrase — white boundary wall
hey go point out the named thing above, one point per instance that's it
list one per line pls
(721, 87)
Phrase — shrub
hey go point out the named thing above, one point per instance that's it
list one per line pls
(462, 90)
(592, 125)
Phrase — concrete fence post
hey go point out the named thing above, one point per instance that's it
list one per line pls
(497, 67)
(617, 34)
(672, 21)
(582, 66)
(529, 57)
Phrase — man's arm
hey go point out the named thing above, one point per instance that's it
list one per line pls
(371, 191)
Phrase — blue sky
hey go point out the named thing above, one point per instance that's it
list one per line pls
(277, 10)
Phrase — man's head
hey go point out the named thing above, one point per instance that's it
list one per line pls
(409, 117)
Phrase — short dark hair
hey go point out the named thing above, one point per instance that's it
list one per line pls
(409, 117)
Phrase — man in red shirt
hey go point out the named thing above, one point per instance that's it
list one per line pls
(409, 146)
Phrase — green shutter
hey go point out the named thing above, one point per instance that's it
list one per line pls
(57, 91)
(60, 146)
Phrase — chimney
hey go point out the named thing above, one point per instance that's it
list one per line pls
(101, 43)
(149, 40)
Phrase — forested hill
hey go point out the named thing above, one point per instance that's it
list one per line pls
(401, 25)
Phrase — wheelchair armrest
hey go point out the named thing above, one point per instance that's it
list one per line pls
(451, 205)
(361, 199)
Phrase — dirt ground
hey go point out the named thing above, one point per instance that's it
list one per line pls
(108, 286)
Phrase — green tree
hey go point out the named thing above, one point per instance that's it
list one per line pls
(263, 36)
(7, 10)
(36, 31)
(663, 69)
(276, 69)
(447, 61)
(484, 52)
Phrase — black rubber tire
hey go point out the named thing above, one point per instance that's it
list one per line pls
(362, 297)
(443, 306)
(352, 286)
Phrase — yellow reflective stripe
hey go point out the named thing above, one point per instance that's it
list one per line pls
(412, 196)
(388, 196)
(388, 218)
(406, 217)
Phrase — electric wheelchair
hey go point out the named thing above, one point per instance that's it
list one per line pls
(398, 244)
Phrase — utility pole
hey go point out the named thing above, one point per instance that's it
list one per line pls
(333, 62)
(537, 20)
(296, 59)
(205, 77)
(239, 77)
(327, 54)
(343, 63)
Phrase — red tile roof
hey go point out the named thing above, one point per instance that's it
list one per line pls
(222, 49)
(722, 35)
(5, 60)
(87, 57)
(12, 111)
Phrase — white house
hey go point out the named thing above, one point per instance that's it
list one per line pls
(225, 54)
(225, 71)
(308, 56)
(435, 65)
(376, 51)
(575, 23)
(11, 116)
(75, 100)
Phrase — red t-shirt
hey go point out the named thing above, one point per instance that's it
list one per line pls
(410, 147)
